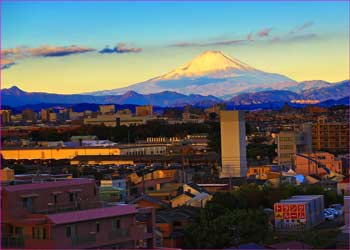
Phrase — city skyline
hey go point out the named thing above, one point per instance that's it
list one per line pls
(89, 46)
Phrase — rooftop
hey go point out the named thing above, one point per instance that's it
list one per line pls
(92, 214)
(48, 184)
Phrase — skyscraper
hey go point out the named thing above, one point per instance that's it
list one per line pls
(233, 146)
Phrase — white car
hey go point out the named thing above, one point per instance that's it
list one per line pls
(332, 211)
(328, 215)
(338, 208)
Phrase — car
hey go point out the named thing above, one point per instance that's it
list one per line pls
(328, 215)
(337, 207)
(333, 211)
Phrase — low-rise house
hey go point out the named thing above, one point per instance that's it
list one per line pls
(148, 201)
(191, 195)
(170, 224)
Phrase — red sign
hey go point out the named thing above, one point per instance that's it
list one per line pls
(285, 208)
(278, 208)
(290, 211)
(293, 208)
(293, 215)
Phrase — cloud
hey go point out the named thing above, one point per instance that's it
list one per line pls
(303, 37)
(43, 51)
(294, 38)
(204, 44)
(264, 32)
(120, 49)
(6, 64)
(302, 27)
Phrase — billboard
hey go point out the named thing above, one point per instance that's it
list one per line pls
(291, 211)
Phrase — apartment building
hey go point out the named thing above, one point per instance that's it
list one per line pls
(105, 109)
(306, 167)
(67, 214)
(290, 143)
(331, 136)
(146, 110)
(5, 115)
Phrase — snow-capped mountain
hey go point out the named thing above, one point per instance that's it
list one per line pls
(211, 73)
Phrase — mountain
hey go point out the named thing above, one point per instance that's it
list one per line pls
(309, 85)
(265, 97)
(334, 91)
(211, 73)
(16, 97)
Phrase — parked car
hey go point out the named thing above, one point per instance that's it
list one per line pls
(338, 207)
(328, 215)
(333, 211)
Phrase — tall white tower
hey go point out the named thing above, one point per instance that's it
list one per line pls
(233, 146)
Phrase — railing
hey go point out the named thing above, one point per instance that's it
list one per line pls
(12, 242)
(119, 233)
(71, 206)
(83, 240)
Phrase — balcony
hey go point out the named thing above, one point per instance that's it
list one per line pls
(119, 234)
(84, 240)
(12, 242)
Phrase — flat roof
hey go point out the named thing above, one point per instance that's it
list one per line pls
(92, 214)
(121, 146)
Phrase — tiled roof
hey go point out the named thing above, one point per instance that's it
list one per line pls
(46, 185)
(91, 214)
(150, 199)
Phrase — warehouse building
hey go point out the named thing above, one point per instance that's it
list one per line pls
(299, 213)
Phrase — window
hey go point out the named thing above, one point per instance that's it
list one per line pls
(68, 231)
(71, 196)
(44, 233)
(115, 224)
(97, 227)
(36, 233)
(55, 198)
(28, 203)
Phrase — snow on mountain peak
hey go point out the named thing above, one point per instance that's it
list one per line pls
(206, 63)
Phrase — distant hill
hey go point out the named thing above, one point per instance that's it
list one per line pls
(16, 97)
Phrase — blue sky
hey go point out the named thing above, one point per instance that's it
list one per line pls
(299, 39)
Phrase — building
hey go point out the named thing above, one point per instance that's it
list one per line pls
(5, 116)
(119, 184)
(170, 224)
(28, 115)
(73, 116)
(306, 167)
(331, 136)
(113, 120)
(109, 120)
(59, 153)
(264, 172)
(67, 214)
(298, 213)
(52, 117)
(44, 114)
(147, 201)
(290, 143)
(106, 109)
(191, 195)
(146, 110)
(233, 145)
